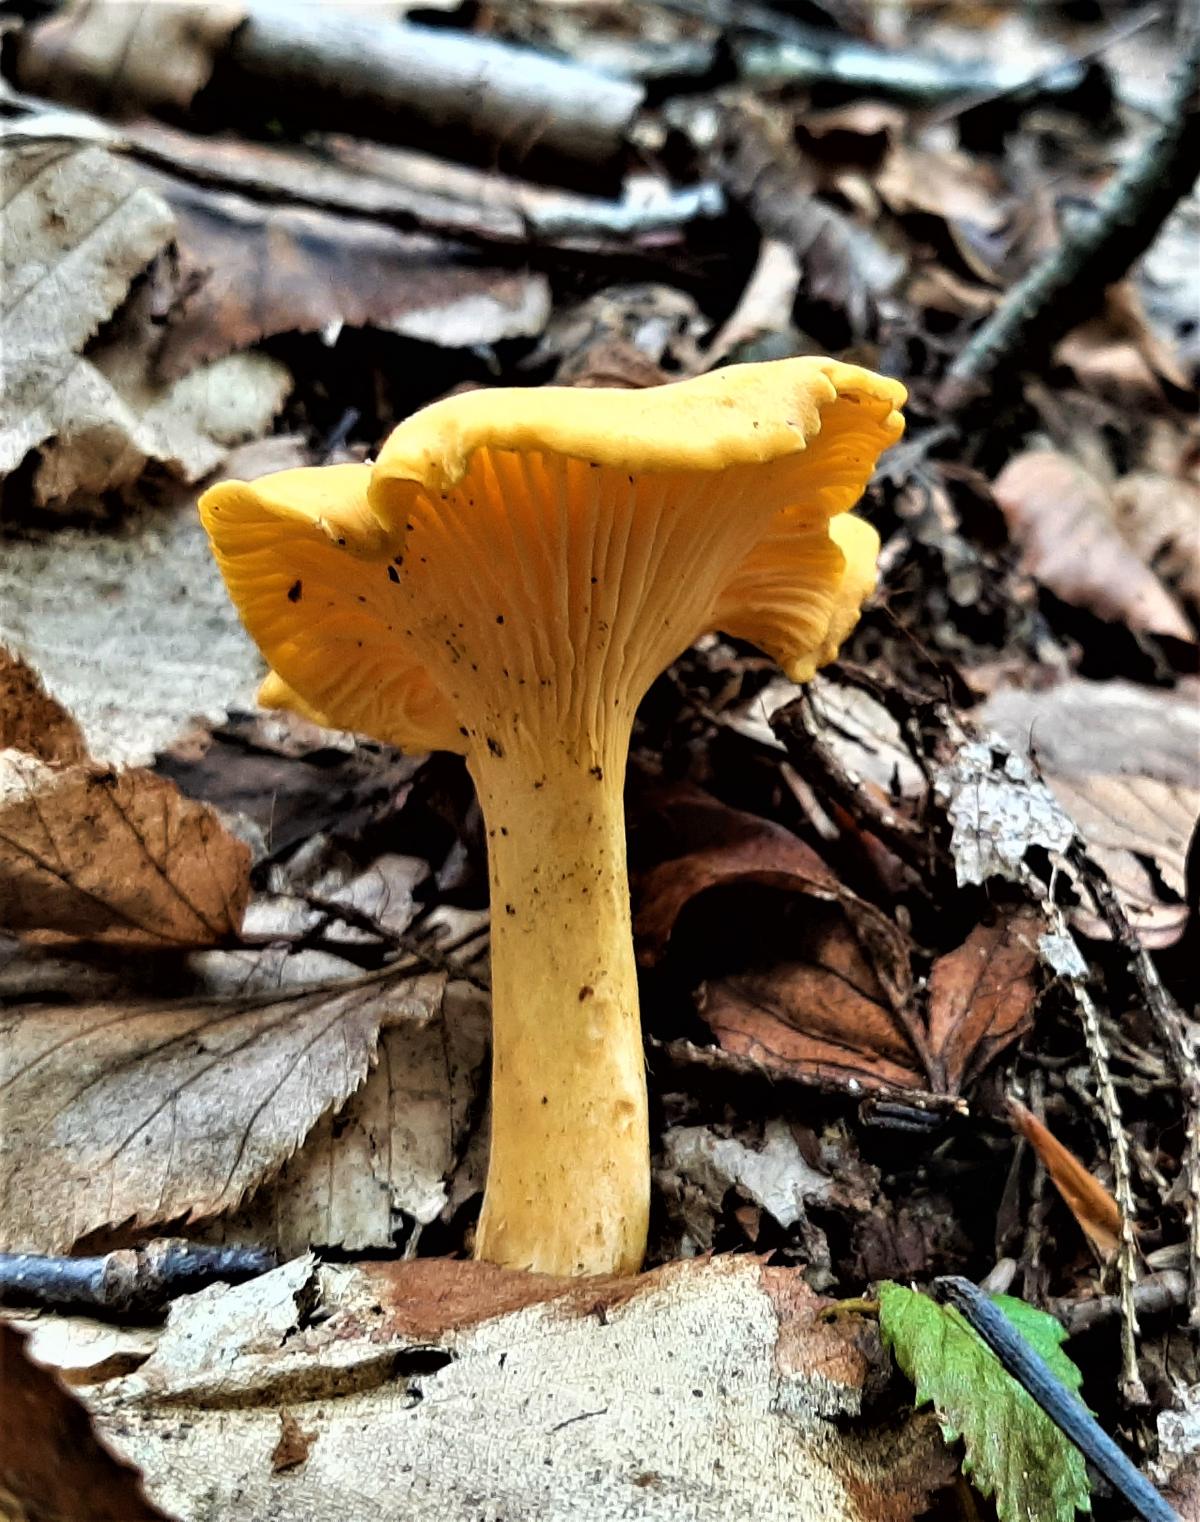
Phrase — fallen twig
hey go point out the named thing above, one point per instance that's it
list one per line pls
(802, 54)
(128, 1280)
(385, 78)
(1069, 284)
(1155, 1294)
(906, 837)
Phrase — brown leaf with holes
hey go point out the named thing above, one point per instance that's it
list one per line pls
(1085, 1196)
(95, 854)
(31, 720)
(981, 997)
(1064, 521)
(146, 1113)
(53, 1467)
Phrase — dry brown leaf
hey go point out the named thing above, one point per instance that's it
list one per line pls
(846, 267)
(765, 305)
(31, 720)
(952, 200)
(392, 1151)
(294, 1443)
(726, 847)
(840, 1010)
(1159, 515)
(1127, 822)
(431, 1384)
(825, 1018)
(939, 289)
(95, 854)
(981, 997)
(1064, 521)
(53, 1467)
(145, 1113)
(1118, 356)
(1088, 1200)
(262, 270)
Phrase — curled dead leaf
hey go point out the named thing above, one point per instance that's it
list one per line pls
(95, 854)
(1086, 1197)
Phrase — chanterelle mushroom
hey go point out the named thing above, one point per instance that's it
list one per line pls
(506, 581)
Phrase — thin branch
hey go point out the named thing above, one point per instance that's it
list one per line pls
(128, 1280)
(1061, 1405)
(1069, 284)
(1072, 967)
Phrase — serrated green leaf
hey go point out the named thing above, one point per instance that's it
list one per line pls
(1013, 1450)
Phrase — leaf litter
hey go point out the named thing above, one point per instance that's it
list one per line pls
(954, 868)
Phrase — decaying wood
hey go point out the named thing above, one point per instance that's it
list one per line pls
(398, 82)
(438, 1391)
(420, 82)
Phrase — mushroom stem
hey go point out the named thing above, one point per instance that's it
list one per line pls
(568, 1173)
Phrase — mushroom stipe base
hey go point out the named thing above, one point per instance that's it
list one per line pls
(568, 1187)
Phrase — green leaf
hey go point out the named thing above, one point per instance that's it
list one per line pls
(1013, 1450)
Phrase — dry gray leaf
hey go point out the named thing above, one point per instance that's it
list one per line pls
(94, 854)
(1124, 763)
(776, 1175)
(78, 227)
(443, 1391)
(133, 632)
(390, 1153)
(153, 1112)
(1077, 728)
(999, 809)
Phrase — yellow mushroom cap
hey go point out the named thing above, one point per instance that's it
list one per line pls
(519, 565)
